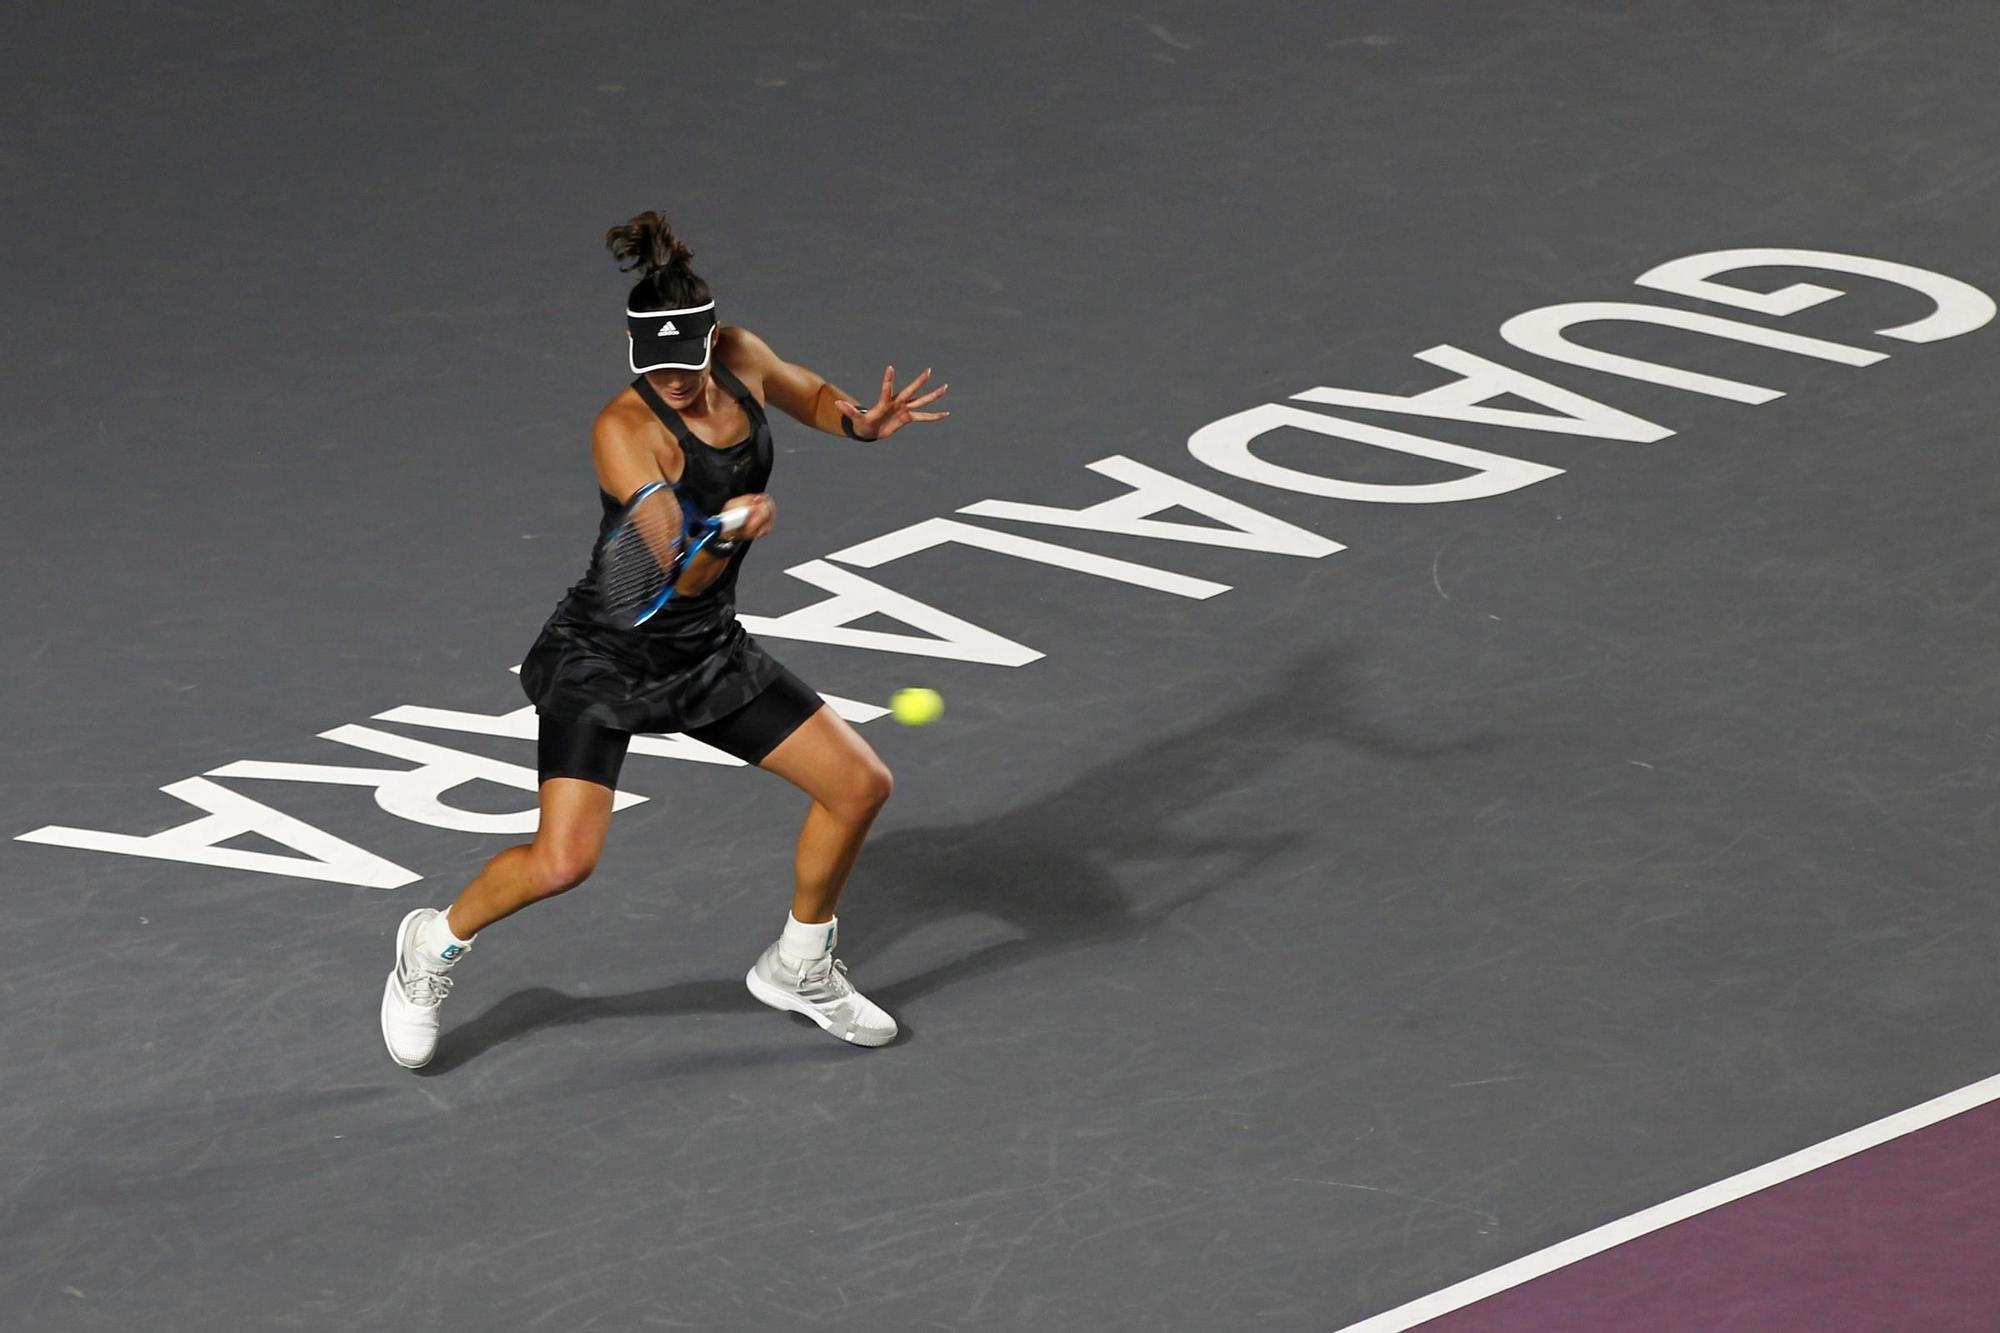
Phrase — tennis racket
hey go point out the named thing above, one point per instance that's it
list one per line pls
(641, 556)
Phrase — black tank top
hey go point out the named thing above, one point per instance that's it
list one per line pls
(710, 476)
(692, 663)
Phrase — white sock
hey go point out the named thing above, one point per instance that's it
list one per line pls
(803, 944)
(435, 940)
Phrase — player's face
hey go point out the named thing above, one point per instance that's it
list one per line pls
(681, 388)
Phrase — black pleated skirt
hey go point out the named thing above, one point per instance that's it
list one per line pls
(693, 669)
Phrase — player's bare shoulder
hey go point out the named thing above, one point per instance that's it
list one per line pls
(622, 420)
(626, 435)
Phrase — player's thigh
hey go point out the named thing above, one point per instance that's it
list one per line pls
(575, 818)
(827, 759)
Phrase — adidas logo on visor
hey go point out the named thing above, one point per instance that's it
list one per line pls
(667, 330)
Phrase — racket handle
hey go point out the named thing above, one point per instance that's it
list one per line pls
(730, 520)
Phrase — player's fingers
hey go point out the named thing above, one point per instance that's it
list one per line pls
(888, 385)
(929, 416)
(930, 397)
(913, 386)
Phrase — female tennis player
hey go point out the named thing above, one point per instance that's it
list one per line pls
(694, 419)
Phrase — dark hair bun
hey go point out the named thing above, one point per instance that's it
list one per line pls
(646, 244)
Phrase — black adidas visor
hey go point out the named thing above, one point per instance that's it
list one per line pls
(670, 339)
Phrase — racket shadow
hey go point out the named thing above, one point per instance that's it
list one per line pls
(1056, 871)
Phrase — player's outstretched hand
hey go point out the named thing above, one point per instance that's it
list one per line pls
(893, 410)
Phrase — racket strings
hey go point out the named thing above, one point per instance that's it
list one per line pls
(642, 555)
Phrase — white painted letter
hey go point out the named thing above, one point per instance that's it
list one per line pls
(1225, 446)
(937, 531)
(1961, 307)
(232, 815)
(1480, 381)
(1541, 332)
(856, 598)
(1154, 492)
(413, 793)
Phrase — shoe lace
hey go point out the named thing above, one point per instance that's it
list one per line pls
(425, 988)
(828, 976)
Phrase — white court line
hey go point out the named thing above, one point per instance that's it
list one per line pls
(1564, 1253)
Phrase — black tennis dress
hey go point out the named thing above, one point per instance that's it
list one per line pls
(691, 664)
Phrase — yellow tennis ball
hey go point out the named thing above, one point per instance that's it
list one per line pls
(916, 707)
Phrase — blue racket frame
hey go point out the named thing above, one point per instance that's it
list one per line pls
(703, 529)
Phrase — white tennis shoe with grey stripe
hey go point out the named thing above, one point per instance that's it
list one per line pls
(822, 993)
(418, 985)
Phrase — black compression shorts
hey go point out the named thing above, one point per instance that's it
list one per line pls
(571, 748)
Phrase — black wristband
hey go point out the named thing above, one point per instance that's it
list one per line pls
(847, 428)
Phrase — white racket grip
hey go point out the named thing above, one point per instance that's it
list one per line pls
(729, 520)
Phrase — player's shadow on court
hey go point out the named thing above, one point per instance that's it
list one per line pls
(1112, 854)
(1052, 873)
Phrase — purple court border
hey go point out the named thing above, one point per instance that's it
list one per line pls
(1612, 1234)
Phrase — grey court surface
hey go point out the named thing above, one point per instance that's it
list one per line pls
(1266, 959)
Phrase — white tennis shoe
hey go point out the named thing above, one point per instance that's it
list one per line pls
(417, 988)
(822, 993)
